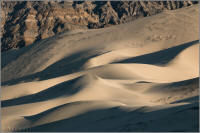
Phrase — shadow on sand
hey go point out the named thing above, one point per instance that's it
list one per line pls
(177, 119)
(74, 63)
(66, 88)
(161, 57)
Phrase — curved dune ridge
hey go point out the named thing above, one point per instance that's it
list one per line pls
(138, 76)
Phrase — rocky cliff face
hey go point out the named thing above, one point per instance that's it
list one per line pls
(24, 23)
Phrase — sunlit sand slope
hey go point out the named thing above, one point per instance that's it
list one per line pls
(138, 76)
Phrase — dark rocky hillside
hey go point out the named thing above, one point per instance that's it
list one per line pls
(24, 23)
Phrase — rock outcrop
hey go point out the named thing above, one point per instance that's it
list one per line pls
(27, 22)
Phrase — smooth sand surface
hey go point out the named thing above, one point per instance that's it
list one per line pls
(138, 76)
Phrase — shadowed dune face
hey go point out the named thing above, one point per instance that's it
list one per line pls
(103, 119)
(161, 57)
(139, 76)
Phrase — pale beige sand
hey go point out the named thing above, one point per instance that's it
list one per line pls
(139, 76)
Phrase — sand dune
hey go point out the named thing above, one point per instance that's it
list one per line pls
(138, 76)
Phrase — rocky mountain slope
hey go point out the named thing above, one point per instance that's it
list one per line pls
(141, 76)
(24, 23)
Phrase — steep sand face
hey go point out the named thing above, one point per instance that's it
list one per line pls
(138, 76)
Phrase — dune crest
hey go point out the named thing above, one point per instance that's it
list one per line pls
(137, 76)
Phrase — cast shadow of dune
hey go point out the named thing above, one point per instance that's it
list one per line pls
(14, 54)
(66, 88)
(161, 57)
(118, 119)
(75, 62)
(10, 55)
(69, 88)
(62, 67)
(191, 99)
(190, 85)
